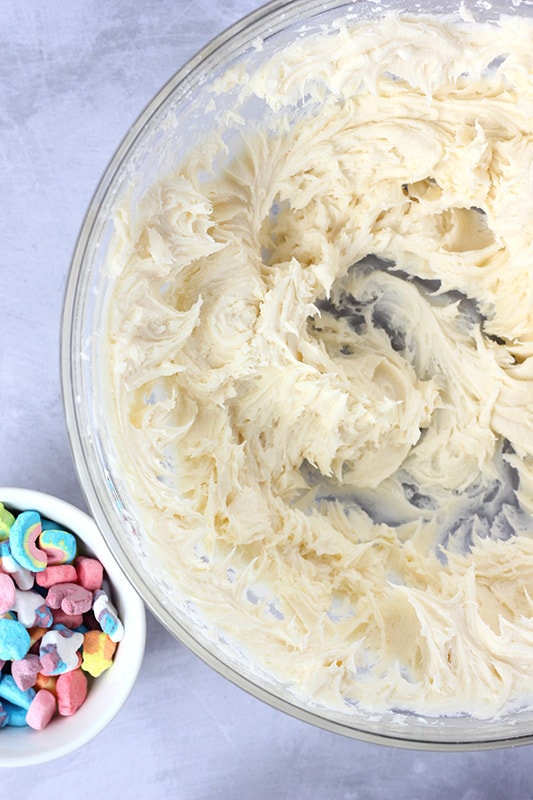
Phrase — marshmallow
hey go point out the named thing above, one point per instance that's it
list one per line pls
(7, 562)
(60, 546)
(58, 651)
(71, 688)
(14, 640)
(36, 634)
(4, 718)
(24, 578)
(32, 610)
(25, 671)
(90, 573)
(41, 710)
(98, 652)
(107, 616)
(16, 715)
(14, 694)
(23, 537)
(68, 620)
(71, 597)
(7, 593)
(57, 573)
(47, 682)
(6, 521)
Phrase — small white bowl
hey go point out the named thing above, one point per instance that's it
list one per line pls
(108, 692)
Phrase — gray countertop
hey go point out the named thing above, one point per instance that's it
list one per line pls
(73, 76)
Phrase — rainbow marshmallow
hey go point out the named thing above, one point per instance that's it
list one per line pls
(60, 547)
(23, 537)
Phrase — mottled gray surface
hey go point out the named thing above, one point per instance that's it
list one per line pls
(73, 76)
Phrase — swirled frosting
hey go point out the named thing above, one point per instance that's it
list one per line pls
(320, 349)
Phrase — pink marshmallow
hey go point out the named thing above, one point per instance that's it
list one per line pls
(90, 573)
(73, 599)
(57, 573)
(68, 620)
(25, 671)
(42, 709)
(7, 593)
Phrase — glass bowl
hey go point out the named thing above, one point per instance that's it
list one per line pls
(180, 114)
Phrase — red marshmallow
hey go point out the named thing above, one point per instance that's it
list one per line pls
(71, 689)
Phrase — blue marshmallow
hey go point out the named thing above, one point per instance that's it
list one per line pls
(14, 694)
(16, 715)
(4, 716)
(15, 640)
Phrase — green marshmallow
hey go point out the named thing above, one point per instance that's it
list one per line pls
(6, 521)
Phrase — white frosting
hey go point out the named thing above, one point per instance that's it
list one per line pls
(335, 463)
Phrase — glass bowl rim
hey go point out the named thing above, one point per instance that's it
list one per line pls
(69, 325)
